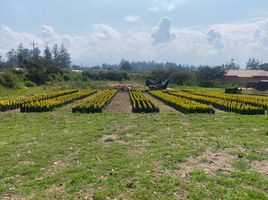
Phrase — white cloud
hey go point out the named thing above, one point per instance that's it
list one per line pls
(49, 35)
(162, 33)
(10, 39)
(105, 32)
(214, 37)
(154, 8)
(214, 44)
(167, 5)
(132, 18)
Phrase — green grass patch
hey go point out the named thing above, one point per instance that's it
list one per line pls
(68, 155)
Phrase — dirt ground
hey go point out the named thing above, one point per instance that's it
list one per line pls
(162, 106)
(210, 162)
(120, 103)
(118, 85)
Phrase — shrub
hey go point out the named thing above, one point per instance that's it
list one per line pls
(8, 80)
(66, 77)
(29, 84)
(113, 75)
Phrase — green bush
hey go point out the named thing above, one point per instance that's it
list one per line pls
(112, 75)
(67, 77)
(29, 84)
(8, 80)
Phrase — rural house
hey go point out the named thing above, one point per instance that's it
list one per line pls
(245, 78)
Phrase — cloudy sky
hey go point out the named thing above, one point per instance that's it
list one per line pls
(182, 31)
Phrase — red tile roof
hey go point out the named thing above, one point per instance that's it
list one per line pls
(247, 73)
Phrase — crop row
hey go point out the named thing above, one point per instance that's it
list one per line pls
(141, 103)
(222, 104)
(257, 101)
(182, 104)
(50, 104)
(11, 104)
(97, 103)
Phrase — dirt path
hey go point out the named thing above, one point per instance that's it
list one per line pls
(120, 103)
(162, 106)
(3, 114)
(218, 111)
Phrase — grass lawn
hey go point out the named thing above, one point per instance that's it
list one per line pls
(60, 155)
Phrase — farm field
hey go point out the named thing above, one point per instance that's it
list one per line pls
(118, 154)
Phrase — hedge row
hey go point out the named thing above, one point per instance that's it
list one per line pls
(97, 103)
(140, 103)
(51, 104)
(222, 104)
(257, 101)
(182, 104)
(11, 104)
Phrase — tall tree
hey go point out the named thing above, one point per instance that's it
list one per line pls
(253, 64)
(232, 65)
(2, 66)
(207, 75)
(47, 54)
(65, 58)
(264, 66)
(61, 57)
(22, 55)
(12, 61)
(125, 65)
(36, 54)
(180, 77)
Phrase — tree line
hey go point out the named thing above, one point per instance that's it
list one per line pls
(34, 66)
(203, 75)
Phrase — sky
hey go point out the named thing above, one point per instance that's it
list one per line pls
(182, 31)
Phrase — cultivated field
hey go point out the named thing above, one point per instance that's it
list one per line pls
(158, 145)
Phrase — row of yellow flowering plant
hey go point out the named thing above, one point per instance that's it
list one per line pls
(182, 104)
(258, 101)
(11, 104)
(97, 103)
(51, 104)
(141, 103)
(222, 104)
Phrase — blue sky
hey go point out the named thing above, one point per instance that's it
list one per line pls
(182, 31)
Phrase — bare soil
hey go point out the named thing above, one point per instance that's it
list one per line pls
(3, 114)
(12, 196)
(210, 162)
(218, 111)
(106, 140)
(120, 103)
(162, 106)
(122, 85)
(260, 166)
